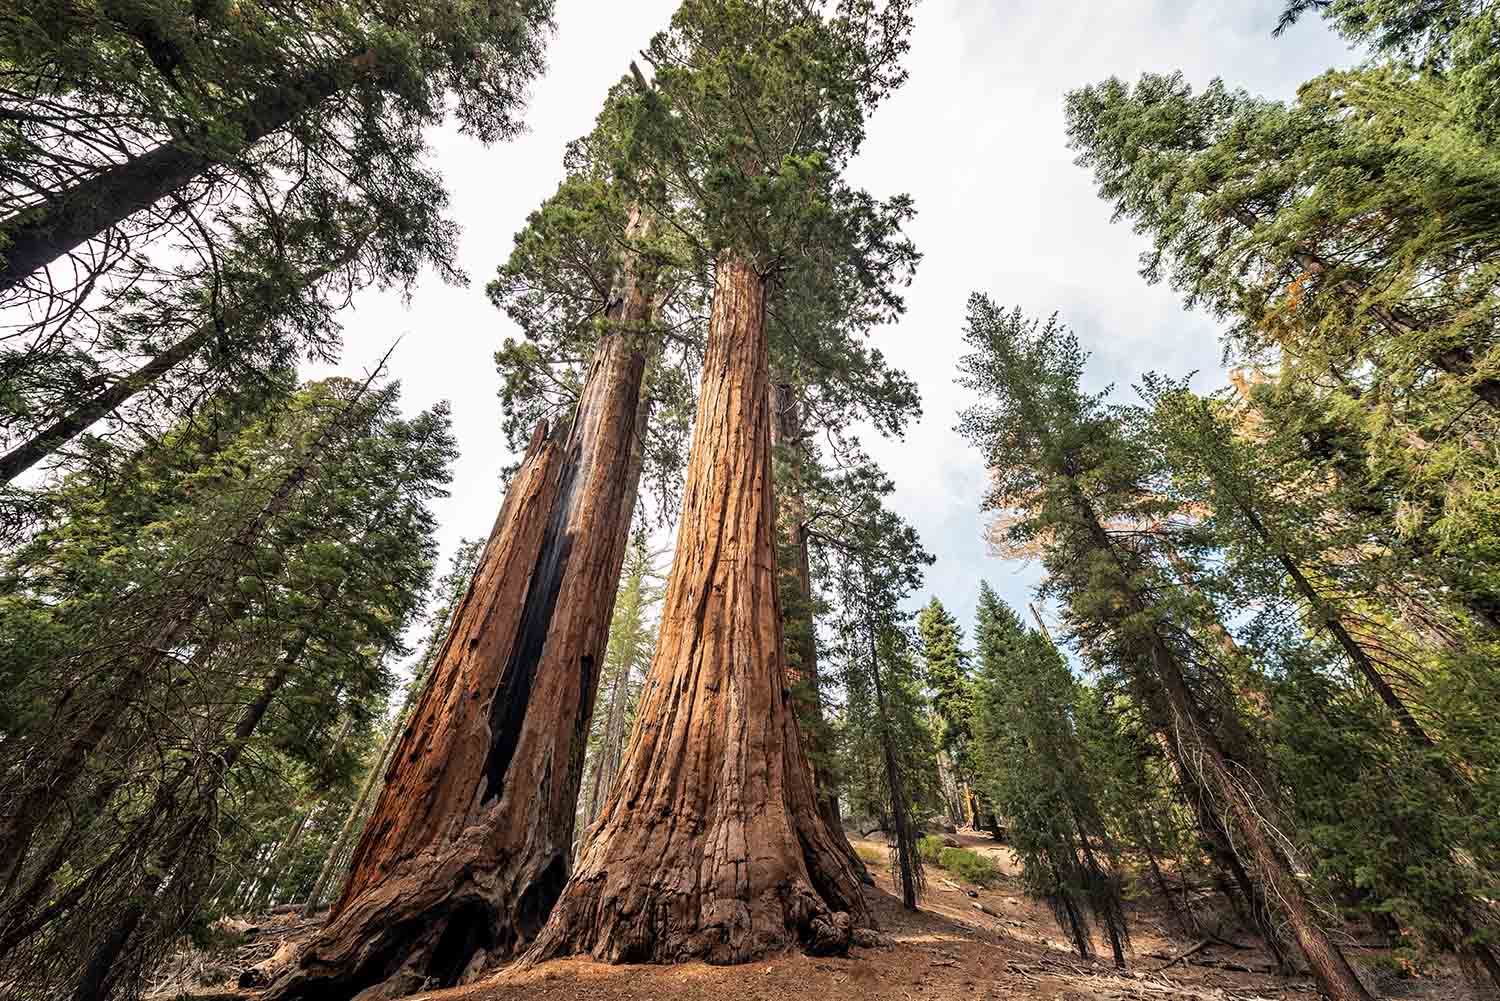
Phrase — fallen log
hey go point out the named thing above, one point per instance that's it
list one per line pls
(1184, 955)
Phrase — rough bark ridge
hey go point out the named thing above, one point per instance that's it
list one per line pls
(711, 845)
(470, 841)
(787, 432)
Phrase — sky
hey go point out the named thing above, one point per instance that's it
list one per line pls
(976, 136)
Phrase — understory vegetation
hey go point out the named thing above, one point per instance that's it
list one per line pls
(699, 649)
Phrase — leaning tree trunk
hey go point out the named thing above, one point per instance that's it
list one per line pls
(711, 845)
(611, 744)
(471, 839)
(87, 411)
(39, 234)
(1198, 747)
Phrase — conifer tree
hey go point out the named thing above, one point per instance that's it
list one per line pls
(1032, 761)
(279, 644)
(775, 219)
(1058, 456)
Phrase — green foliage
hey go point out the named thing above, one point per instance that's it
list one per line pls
(199, 644)
(1033, 764)
(307, 178)
(971, 867)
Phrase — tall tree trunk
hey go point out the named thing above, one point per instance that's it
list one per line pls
(41, 233)
(611, 746)
(948, 784)
(1198, 747)
(471, 840)
(83, 415)
(789, 434)
(908, 863)
(711, 845)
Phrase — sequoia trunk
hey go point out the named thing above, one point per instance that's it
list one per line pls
(470, 841)
(711, 845)
(788, 433)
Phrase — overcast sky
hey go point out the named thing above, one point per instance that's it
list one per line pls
(976, 136)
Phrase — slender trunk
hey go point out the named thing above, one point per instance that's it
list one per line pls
(357, 812)
(55, 781)
(1198, 745)
(611, 746)
(711, 845)
(787, 435)
(276, 871)
(100, 973)
(906, 839)
(38, 235)
(1457, 361)
(1070, 909)
(948, 783)
(67, 427)
(1182, 913)
(470, 841)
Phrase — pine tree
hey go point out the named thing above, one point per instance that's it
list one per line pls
(278, 645)
(1059, 457)
(1031, 759)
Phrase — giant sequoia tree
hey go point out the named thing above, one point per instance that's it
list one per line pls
(461, 859)
(755, 110)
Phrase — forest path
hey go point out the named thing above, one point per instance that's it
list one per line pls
(947, 951)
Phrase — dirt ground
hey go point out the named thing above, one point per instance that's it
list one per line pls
(951, 950)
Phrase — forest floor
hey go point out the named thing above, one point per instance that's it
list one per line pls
(948, 950)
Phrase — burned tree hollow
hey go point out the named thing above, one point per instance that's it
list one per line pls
(470, 841)
(711, 845)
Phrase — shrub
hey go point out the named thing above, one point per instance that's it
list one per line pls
(966, 864)
(931, 849)
(870, 854)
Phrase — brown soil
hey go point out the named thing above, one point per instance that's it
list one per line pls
(950, 950)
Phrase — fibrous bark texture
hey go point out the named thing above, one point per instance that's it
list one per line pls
(711, 845)
(470, 841)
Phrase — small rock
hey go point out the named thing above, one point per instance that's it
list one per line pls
(869, 938)
(830, 936)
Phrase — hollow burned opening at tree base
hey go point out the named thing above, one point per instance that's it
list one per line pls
(470, 842)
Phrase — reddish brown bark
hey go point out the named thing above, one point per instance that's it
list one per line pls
(710, 845)
(787, 433)
(470, 841)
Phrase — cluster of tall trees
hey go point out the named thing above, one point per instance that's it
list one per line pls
(1286, 595)
(210, 567)
(1285, 590)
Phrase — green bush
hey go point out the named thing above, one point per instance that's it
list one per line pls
(931, 849)
(966, 864)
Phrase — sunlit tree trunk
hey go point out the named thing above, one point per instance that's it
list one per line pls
(711, 844)
(470, 842)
